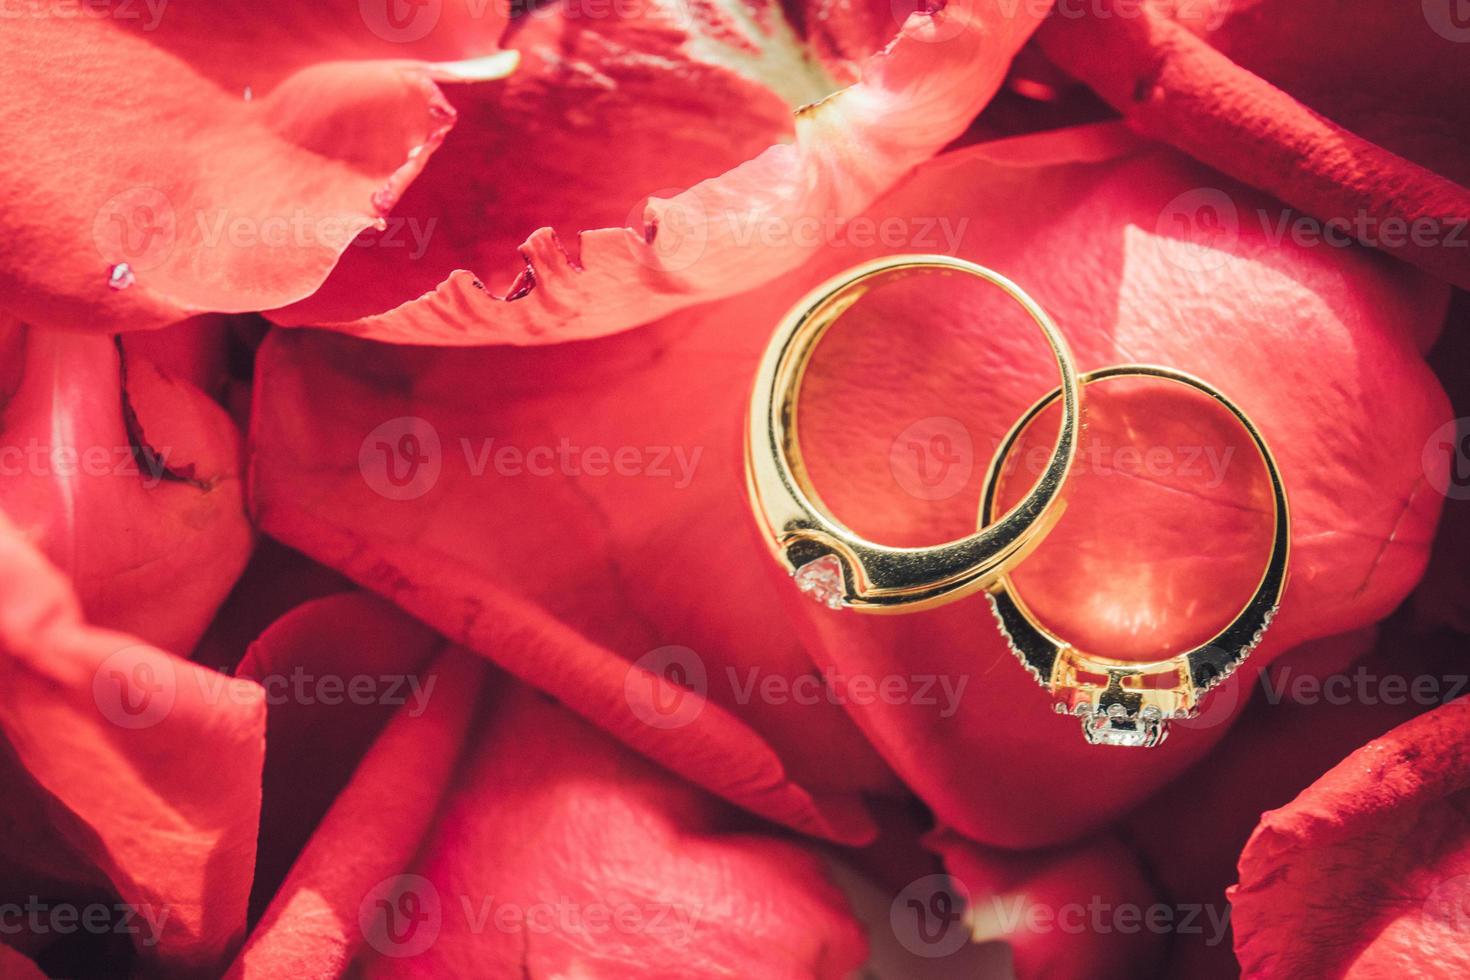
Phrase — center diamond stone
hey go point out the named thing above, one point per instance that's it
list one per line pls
(822, 580)
(1108, 735)
(1116, 727)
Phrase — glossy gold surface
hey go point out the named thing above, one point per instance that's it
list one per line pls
(875, 577)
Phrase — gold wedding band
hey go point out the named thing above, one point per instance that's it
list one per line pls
(830, 561)
(1120, 702)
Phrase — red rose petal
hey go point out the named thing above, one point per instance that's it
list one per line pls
(897, 855)
(508, 196)
(527, 569)
(1320, 702)
(80, 701)
(126, 479)
(1367, 872)
(371, 832)
(255, 197)
(563, 854)
(1175, 87)
(1377, 69)
(196, 351)
(333, 670)
(276, 581)
(1080, 911)
(1443, 598)
(17, 966)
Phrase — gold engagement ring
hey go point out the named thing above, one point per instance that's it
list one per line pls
(830, 561)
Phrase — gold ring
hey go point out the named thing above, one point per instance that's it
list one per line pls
(830, 561)
(1120, 702)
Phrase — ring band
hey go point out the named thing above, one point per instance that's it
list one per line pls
(829, 560)
(1135, 701)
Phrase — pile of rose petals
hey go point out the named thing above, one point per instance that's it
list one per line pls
(378, 589)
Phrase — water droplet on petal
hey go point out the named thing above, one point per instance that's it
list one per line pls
(249, 94)
(121, 276)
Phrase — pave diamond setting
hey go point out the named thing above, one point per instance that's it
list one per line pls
(822, 580)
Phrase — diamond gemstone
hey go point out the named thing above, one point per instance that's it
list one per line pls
(1117, 727)
(1108, 735)
(822, 580)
